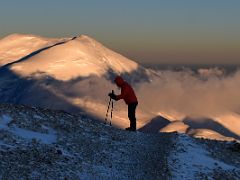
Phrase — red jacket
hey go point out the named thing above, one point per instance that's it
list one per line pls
(127, 92)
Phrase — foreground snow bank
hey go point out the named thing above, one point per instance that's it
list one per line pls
(5, 120)
(192, 160)
(45, 144)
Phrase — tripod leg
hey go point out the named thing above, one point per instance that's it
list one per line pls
(107, 110)
(111, 114)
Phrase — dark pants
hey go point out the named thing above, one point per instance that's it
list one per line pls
(132, 115)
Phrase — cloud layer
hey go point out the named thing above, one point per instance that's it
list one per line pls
(207, 92)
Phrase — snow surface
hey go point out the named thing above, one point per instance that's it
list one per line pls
(16, 46)
(210, 134)
(26, 134)
(45, 138)
(191, 158)
(4, 120)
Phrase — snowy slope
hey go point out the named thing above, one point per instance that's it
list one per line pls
(178, 126)
(79, 57)
(45, 144)
(40, 143)
(203, 159)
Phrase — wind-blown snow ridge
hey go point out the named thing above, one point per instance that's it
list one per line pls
(16, 46)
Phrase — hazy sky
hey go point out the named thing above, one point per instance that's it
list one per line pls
(147, 31)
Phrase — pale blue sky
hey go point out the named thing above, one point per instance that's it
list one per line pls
(167, 31)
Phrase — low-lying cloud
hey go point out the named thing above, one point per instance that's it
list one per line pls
(209, 92)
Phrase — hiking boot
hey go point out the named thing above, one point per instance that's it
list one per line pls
(130, 129)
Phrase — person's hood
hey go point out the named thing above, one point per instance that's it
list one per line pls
(119, 81)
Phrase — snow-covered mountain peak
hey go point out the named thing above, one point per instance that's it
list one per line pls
(86, 38)
(76, 57)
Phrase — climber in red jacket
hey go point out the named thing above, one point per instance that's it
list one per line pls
(128, 95)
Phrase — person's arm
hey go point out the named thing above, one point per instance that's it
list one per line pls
(124, 92)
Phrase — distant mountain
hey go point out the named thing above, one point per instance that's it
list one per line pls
(68, 59)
